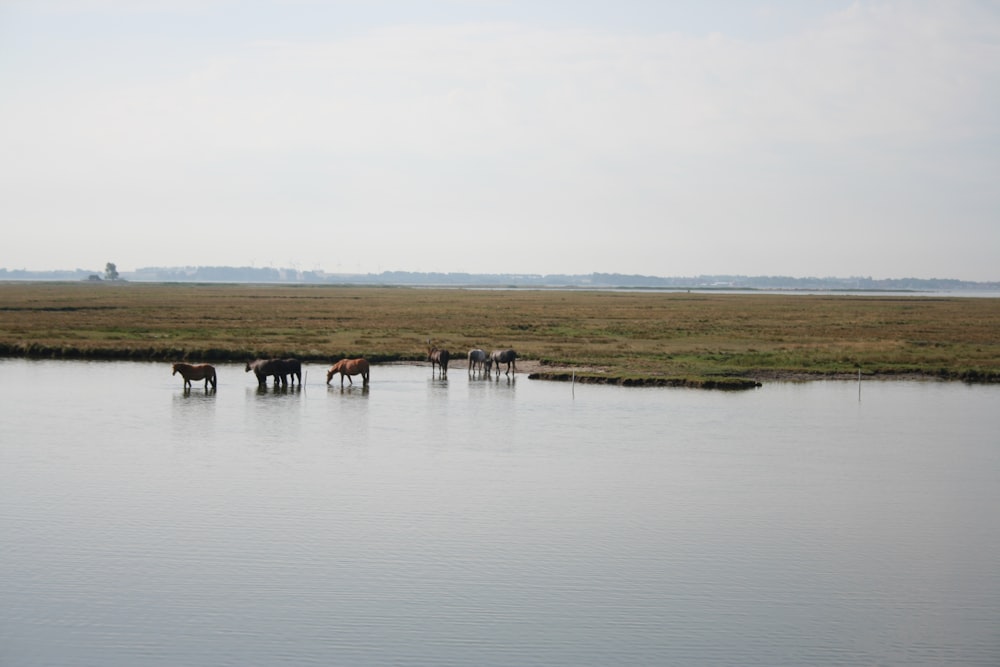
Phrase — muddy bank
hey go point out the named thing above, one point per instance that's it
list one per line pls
(698, 383)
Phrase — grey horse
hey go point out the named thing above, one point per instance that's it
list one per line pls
(477, 358)
(508, 357)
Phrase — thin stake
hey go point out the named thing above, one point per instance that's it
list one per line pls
(859, 384)
(573, 387)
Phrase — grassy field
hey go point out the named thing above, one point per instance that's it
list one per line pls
(629, 337)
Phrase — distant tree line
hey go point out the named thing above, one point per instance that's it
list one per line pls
(246, 274)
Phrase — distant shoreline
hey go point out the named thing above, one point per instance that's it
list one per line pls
(986, 291)
(221, 275)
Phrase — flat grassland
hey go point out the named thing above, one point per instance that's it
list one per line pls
(699, 339)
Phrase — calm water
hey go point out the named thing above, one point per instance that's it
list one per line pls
(493, 523)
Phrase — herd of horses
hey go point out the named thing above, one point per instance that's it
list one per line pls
(478, 360)
(282, 369)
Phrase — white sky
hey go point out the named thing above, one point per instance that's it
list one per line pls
(822, 138)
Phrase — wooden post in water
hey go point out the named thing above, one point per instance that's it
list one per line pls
(573, 387)
(859, 384)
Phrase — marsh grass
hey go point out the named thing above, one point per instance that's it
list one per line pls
(630, 337)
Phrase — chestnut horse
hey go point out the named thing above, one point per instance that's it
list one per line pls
(349, 367)
(504, 357)
(196, 372)
(439, 357)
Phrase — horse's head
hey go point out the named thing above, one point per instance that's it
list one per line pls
(329, 373)
(175, 370)
(248, 369)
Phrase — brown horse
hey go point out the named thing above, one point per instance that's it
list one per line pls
(438, 357)
(196, 372)
(349, 367)
(265, 368)
(292, 367)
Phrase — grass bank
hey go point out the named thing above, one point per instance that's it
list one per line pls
(691, 339)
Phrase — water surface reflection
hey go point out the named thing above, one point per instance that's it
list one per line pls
(470, 521)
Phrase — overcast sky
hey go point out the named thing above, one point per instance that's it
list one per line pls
(822, 138)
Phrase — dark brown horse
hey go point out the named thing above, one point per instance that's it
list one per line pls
(292, 367)
(349, 367)
(439, 358)
(265, 368)
(508, 357)
(190, 372)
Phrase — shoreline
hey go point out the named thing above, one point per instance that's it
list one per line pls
(536, 369)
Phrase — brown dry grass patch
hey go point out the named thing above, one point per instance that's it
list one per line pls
(622, 334)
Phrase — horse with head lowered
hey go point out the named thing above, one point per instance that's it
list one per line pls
(347, 368)
(477, 360)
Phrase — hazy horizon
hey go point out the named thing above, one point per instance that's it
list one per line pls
(749, 138)
(750, 279)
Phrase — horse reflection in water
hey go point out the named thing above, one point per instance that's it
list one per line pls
(349, 367)
(190, 372)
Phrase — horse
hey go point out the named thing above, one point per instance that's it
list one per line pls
(349, 367)
(477, 357)
(438, 357)
(190, 372)
(264, 368)
(504, 357)
(291, 367)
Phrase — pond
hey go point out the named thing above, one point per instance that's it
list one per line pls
(493, 522)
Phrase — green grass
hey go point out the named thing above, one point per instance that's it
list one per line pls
(627, 337)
